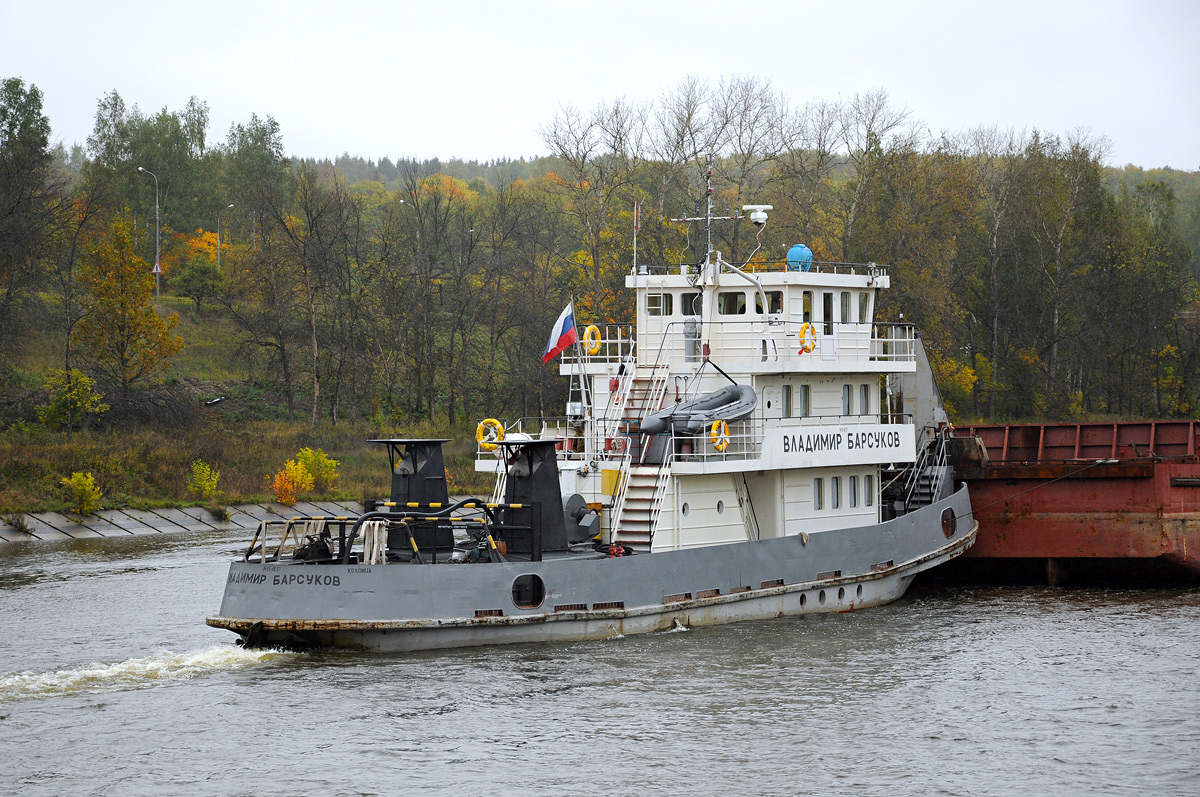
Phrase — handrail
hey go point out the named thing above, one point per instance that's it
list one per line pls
(614, 523)
(289, 524)
(937, 451)
(776, 342)
(818, 267)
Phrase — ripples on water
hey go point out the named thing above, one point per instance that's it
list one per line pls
(961, 691)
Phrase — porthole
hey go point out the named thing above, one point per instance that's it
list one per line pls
(720, 507)
(858, 592)
(949, 522)
(528, 591)
(685, 509)
(841, 594)
(821, 597)
(803, 600)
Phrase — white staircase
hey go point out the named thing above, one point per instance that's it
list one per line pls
(638, 499)
(636, 504)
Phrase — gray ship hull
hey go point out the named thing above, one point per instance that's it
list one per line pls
(418, 607)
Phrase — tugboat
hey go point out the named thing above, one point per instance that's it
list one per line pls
(742, 452)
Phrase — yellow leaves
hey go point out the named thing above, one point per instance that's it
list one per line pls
(1029, 356)
(288, 483)
(202, 243)
(448, 188)
(122, 332)
(956, 381)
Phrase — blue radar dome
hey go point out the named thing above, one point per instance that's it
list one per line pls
(799, 258)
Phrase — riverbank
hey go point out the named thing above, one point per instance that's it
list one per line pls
(126, 522)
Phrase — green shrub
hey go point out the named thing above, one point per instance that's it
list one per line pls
(73, 398)
(82, 493)
(320, 467)
(202, 481)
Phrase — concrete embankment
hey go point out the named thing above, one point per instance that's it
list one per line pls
(125, 522)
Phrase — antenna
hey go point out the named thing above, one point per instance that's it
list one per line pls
(708, 218)
(637, 224)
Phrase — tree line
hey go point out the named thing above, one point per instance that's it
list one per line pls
(1047, 285)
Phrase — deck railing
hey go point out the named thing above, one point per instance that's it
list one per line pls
(817, 267)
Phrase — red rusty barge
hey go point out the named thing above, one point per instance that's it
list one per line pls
(1061, 502)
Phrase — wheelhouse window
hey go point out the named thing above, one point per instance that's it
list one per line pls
(774, 302)
(827, 311)
(689, 304)
(731, 303)
(806, 306)
(845, 317)
(659, 303)
(864, 307)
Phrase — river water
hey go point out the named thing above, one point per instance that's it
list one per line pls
(110, 683)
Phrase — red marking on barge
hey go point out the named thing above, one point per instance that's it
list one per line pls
(1069, 493)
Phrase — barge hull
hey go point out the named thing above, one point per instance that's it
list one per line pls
(1069, 494)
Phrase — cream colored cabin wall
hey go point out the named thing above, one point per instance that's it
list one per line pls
(767, 498)
(703, 524)
(799, 513)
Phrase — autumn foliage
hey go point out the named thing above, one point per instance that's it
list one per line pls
(122, 334)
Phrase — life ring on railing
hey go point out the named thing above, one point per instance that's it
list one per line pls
(591, 340)
(489, 432)
(808, 338)
(720, 435)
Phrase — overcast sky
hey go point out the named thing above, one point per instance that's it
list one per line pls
(477, 80)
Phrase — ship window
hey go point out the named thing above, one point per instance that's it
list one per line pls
(864, 306)
(786, 409)
(720, 507)
(818, 493)
(864, 399)
(852, 491)
(827, 311)
(846, 307)
(806, 304)
(659, 303)
(835, 492)
(803, 407)
(774, 300)
(684, 509)
(690, 304)
(845, 399)
(731, 303)
(868, 490)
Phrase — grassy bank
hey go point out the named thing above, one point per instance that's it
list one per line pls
(149, 467)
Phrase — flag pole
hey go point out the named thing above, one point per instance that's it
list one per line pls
(579, 359)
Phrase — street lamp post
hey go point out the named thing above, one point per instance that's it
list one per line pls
(219, 212)
(157, 229)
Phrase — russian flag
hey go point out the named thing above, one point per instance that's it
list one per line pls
(563, 334)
